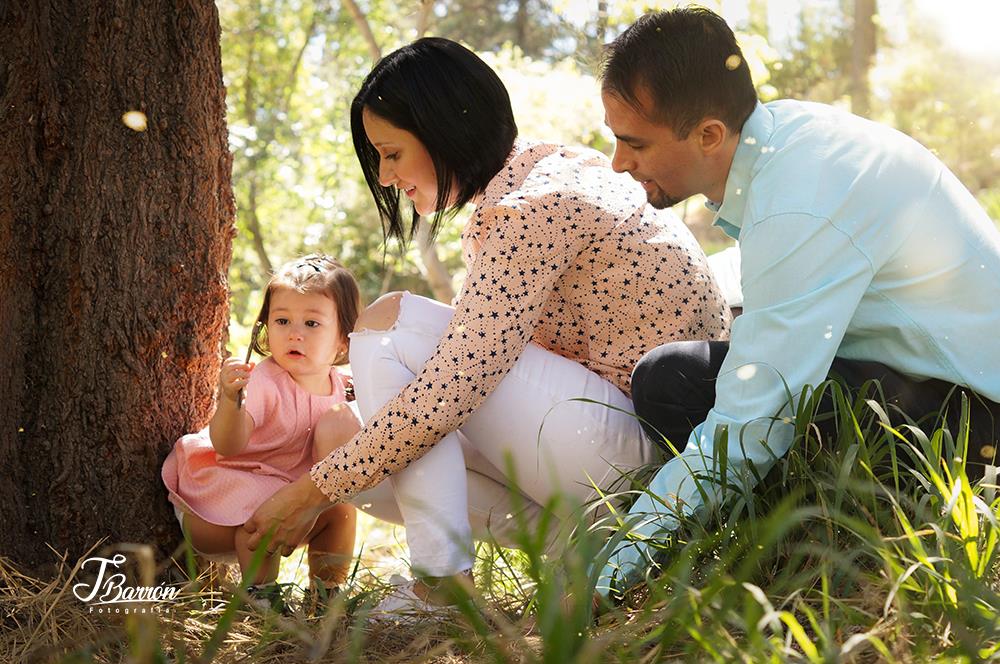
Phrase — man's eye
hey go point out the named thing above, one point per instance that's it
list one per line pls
(392, 157)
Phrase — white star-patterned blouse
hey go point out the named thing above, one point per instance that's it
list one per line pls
(563, 252)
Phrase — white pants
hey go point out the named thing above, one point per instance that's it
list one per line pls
(527, 434)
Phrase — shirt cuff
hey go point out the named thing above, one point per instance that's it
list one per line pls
(320, 478)
(623, 569)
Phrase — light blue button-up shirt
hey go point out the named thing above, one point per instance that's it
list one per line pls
(856, 242)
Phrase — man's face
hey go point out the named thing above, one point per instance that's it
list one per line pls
(669, 168)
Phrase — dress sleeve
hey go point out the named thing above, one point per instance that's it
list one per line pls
(519, 263)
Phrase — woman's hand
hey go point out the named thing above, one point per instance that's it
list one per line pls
(291, 512)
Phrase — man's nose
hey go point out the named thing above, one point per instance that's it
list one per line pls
(622, 161)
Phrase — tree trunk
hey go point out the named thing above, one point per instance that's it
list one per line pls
(360, 20)
(602, 24)
(114, 247)
(435, 272)
(424, 17)
(862, 56)
(521, 25)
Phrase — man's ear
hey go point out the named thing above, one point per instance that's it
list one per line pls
(712, 134)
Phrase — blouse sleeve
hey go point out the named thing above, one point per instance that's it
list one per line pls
(530, 246)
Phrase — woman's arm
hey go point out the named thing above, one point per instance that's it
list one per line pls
(230, 427)
(506, 291)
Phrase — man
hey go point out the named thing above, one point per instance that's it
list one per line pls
(859, 250)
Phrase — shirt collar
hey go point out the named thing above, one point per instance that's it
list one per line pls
(754, 137)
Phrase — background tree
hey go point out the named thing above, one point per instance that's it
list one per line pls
(862, 55)
(535, 26)
(114, 245)
(309, 192)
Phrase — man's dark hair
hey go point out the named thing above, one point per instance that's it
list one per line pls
(689, 63)
(452, 101)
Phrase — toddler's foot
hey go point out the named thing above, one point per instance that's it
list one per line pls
(267, 597)
(320, 597)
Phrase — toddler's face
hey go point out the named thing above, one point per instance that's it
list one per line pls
(303, 334)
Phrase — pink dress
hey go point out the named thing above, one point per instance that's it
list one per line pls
(227, 490)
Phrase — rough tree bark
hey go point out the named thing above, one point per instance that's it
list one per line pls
(114, 246)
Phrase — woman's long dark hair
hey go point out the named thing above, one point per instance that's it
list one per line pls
(455, 105)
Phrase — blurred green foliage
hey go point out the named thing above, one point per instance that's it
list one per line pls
(292, 67)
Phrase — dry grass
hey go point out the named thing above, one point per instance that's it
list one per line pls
(43, 621)
(836, 556)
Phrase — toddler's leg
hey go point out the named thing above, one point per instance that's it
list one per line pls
(331, 545)
(331, 541)
(267, 572)
(211, 538)
(334, 428)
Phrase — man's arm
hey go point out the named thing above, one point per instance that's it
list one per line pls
(802, 281)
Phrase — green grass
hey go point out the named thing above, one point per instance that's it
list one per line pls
(871, 547)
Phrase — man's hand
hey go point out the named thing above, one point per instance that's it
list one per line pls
(291, 512)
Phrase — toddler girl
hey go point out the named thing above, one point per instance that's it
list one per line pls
(259, 442)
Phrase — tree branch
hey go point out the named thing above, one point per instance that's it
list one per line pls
(424, 17)
(366, 32)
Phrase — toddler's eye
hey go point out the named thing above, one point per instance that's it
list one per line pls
(312, 323)
(281, 321)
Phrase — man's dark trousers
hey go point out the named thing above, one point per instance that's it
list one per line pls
(673, 388)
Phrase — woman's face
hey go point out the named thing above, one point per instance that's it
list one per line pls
(404, 162)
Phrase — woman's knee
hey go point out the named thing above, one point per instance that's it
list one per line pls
(381, 314)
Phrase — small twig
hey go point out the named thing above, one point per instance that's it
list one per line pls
(253, 340)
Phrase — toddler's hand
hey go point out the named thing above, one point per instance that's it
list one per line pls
(233, 377)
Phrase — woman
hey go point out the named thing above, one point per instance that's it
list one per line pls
(572, 277)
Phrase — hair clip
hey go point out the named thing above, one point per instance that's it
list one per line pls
(308, 264)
